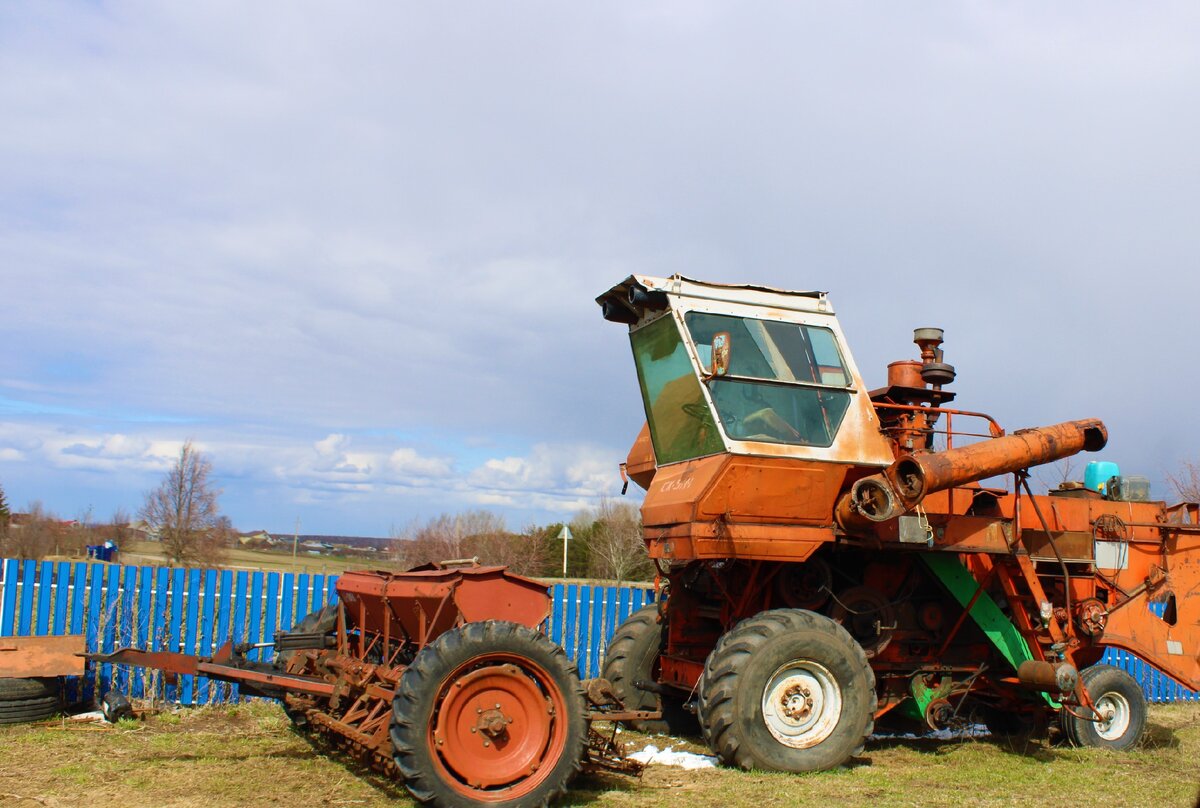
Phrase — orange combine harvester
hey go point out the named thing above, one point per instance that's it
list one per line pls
(830, 555)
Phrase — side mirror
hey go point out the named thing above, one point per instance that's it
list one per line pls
(720, 353)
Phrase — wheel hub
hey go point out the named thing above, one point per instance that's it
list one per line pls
(801, 704)
(1114, 716)
(494, 727)
(797, 702)
(493, 723)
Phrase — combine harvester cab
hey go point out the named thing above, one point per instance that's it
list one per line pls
(830, 555)
(439, 676)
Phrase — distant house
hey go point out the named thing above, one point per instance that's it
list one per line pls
(256, 537)
(23, 519)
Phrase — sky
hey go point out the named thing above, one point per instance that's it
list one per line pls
(352, 250)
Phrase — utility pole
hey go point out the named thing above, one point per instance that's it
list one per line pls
(565, 535)
(296, 539)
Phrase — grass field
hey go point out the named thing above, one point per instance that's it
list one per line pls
(249, 756)
(149, 553)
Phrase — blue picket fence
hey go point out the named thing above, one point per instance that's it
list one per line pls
(1158, 688)
(196, 611)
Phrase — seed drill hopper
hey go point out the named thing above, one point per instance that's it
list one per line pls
(832, 555)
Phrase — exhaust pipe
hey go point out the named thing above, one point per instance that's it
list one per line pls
(912, 478)
(917, 476)
(1050, 677)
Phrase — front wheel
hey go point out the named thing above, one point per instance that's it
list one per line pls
(489, 712)
(787, 690)
(1120, 715)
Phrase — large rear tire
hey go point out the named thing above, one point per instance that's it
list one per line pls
(787, 690)
(632, 657)
(1121, 706)
(490, 712)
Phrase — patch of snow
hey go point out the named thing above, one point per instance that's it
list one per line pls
(973, 731)
(669, 757)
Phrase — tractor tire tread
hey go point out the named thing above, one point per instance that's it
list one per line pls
(35, 709)
(14, 689)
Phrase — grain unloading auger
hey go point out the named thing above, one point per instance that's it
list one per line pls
(828, 557)
(439, 676)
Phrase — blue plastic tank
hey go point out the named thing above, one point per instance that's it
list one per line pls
(1098, 473)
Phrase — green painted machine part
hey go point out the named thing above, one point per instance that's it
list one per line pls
(999, 630)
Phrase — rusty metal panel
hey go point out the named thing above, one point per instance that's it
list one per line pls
(676, 489)
(774, 490)
(503, 596)
(1075, 545)
(733, 540)
(640, 465)
(421, 604)
(24, 657)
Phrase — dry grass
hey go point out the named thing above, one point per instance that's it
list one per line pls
(248, 755)
(150, 553)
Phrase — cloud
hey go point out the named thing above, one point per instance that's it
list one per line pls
(356, 250)
(339, 473)
(407, 462)
(557, 477)
(73, 449)
(331, 445)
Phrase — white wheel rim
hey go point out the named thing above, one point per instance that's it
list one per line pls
(1113, 710)
(801, 704)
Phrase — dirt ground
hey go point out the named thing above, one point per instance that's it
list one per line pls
(250, 756)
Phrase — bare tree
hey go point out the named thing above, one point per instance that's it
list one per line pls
(183, 510)
(225, 534)
(34, 536)
(73, 539)
(1186, 482)
(118, 528)
(525, 553)
(472, 534)
(1052, 475)
(446, 537)
(618, 552)
(5, 514)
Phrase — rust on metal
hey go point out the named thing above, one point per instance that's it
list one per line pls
(1052, 677)
(22, 657)
(905, 474)
(501, 722)
(421, 605)
(917, 476)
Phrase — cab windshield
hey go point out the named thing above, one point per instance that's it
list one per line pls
(786, 382)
